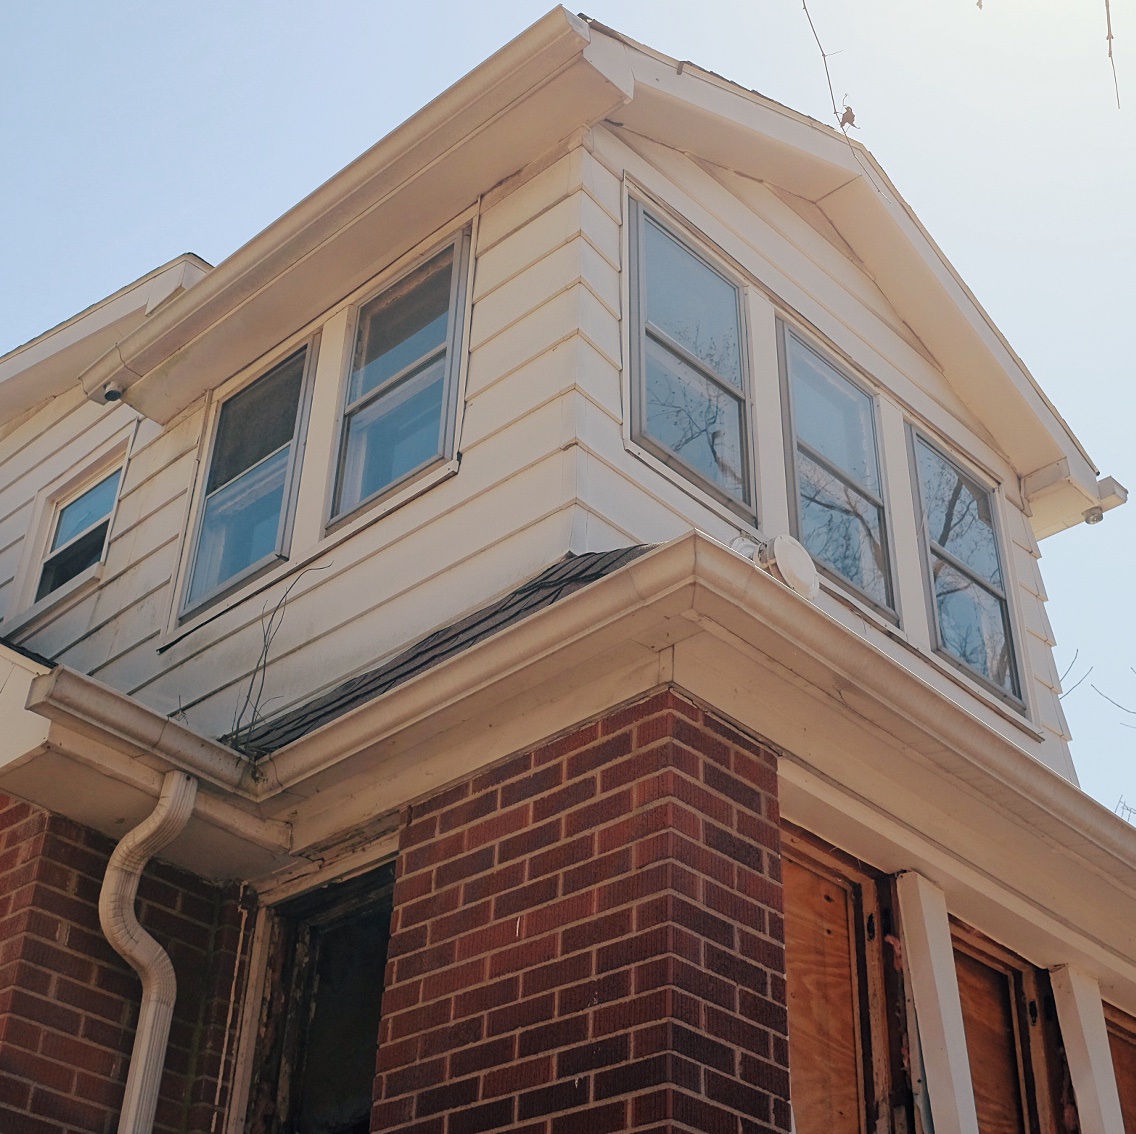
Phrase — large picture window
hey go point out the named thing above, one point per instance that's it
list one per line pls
(249, 487)
(401, 393)
(840, 507)
(690, 397)
(972, 613)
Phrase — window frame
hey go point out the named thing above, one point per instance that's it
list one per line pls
(1017, 699)
(456, 333)
(187, 609)
(784, 329)
(639, 208)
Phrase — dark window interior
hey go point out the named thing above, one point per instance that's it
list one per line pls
(319, 1022)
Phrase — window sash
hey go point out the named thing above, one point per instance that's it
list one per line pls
(200, 590)
(409, 381)
(645, 331)
(59, 553)
(798, 447)
(932, 550)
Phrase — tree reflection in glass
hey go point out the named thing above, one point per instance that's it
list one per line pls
(970, 599)
(841, 513)
(693, 396)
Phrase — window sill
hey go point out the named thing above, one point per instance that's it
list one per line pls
(36, 616)
(344, 530)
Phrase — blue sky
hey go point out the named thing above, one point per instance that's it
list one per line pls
(134, 131)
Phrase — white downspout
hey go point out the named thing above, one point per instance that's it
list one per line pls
(144, 954)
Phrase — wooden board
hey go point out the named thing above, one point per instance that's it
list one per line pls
(991, 1040)
(824, 1057)
(1124, 1063)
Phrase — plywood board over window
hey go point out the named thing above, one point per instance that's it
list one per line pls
(1122, 1041)
(1017, 1065)
(844, 1046)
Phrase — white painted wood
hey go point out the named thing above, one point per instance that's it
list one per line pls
(930, 966)
(1083, 1032)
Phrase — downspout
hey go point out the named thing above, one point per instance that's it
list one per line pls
(142, 952)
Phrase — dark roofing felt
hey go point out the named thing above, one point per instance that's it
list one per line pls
(551, 585)
(31, 655)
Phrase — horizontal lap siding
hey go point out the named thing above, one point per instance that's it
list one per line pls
(69, 1003)
(588, 937)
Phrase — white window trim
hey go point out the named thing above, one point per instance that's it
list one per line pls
(973, 681)
(185, 610)
(26, 612)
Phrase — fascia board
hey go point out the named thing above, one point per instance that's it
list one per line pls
(51, 363)
(520, 103)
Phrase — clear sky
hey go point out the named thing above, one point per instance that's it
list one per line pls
(133, 131)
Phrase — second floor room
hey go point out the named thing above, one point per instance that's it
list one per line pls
(476, 351)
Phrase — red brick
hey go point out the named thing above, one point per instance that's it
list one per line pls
(498, 827)
(517, 1077)
(525, 897)
(557, 802)
(493, 1053)
(560, 747)
(558, 974)
(599, 754)
(540, 782)
(528, 841)
(595, 1120)
(562, 856)
(509, 770)
(443, 799)
(603, 811)
(523, 956)
(452, 980)
(488, 996)
(469, 811)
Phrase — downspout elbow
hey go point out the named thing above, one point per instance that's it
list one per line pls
(140, 950)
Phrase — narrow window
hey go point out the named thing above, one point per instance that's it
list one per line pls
(320, 1017)
(690, 400)
(401, 394)
(840, 508)
(972, 613)
(845, 1004)
(248, 490)
(79, 535)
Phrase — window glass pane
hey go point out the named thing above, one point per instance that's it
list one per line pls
(693, 304)
(394, 435)
(695, 419)
(257, 421)
(402, 326)
(73, 560)
(833, 416)
(241, 524)
(85, 510)
(973, 625)
(843, 529)
(959, 517)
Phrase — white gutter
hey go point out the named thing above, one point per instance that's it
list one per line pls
(141, 951)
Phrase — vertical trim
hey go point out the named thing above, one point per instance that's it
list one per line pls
(930, 962)
(1083, 1031)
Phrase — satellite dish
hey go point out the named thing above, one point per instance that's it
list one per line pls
(787, 559)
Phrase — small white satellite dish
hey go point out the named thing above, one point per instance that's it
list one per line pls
(787, 559)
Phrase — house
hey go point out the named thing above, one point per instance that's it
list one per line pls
(564, 600)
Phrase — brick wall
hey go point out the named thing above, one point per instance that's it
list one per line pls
(68, 1002)
(588, 938)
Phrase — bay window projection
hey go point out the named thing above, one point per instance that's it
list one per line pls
(244, 520)
(972, 615)
(690, 395)
(840, 508)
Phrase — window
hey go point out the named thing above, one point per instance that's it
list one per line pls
(840, 509)
(319, 1024)
(690, 398)
(244, 519)
(78, 535)
(401, 393)
(1017, 1065)
(972, 614)
(845, 1001)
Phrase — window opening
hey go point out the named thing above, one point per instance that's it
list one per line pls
(251, 472)
(840, 508)
(972, 613)
(79, 535)
(691, 404)
(322, 1008)
(401, 393)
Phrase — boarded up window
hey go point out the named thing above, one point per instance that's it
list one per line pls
(1122, 1040)
(844, 1052)
(1017, 1064)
